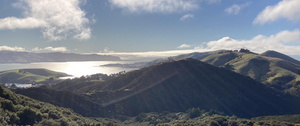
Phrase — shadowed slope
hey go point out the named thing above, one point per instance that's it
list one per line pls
(79, 104)
(178, 85)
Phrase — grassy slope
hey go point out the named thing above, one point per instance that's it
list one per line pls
(277, 73)
(29, 75)
(275, 54)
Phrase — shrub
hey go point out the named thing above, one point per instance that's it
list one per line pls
(29, 117)
(194, 112)
(54, 114)
(49, 122)
(7, 105)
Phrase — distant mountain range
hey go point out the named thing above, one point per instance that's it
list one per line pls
(29, 57)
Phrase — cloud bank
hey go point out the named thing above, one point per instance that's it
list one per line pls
(158, 6)
(285, 9)
(50, 49)
(8, 48)
(285, 41)
(58, 19)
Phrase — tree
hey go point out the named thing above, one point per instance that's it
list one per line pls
(29, 117)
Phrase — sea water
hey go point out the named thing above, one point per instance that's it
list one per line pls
(75, 69)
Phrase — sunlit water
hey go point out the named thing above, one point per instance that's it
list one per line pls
(76, 69)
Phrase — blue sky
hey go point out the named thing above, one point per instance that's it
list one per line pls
(152, 26)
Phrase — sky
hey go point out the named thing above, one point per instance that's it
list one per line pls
(149, 27)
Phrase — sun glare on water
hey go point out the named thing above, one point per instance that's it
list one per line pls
(74, 69)
(78, 69)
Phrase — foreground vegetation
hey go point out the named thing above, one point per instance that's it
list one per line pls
(198, 117)
(20, 110)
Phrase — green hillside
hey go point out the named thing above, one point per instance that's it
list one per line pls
(277, 73)
(176, 86)
(30, 76)
(275, 54)
(20, 110)
(77, 103)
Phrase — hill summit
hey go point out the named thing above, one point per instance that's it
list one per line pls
(275, 54)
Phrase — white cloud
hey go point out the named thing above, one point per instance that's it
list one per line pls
(288, 9)
(50, 49)
(285, 41)
(26, 23)
(236, 8)
(107, 50)
(158, 6)
(8, 48)
(186, 16)
(58, 19)
(183, 46)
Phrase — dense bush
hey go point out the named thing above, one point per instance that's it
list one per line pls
(195, 112)
(29, 117)
(20, 110)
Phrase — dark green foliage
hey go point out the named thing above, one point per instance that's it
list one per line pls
(280, 118)
(182, 119)
(195, 112)
(54, 115)
(49, 122)
(140, 117)
(26, 111)
(79, 104)
(7, 95)
(29, 117)
(7, 105)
